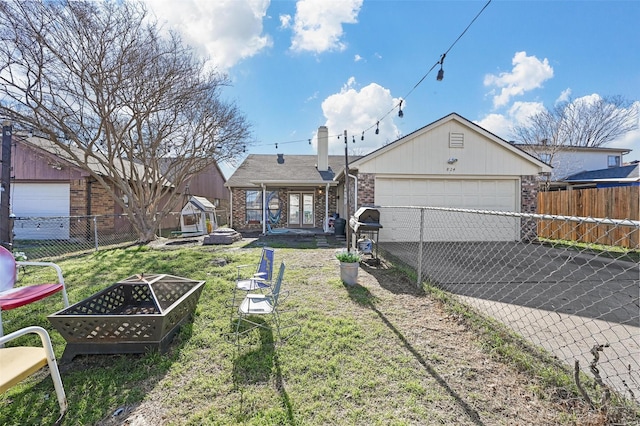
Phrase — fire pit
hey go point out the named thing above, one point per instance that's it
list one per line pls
(132, 316)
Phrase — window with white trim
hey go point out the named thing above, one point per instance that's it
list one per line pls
(613, 161)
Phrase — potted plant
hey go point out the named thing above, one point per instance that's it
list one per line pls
(349, 264)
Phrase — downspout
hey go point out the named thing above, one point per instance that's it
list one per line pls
(355, 193)
(264, 209)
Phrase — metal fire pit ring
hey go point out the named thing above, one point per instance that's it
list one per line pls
(134, 315)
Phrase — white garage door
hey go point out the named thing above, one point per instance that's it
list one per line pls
(475, 194)
(42, 210)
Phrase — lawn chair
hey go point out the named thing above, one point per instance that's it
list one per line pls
(14, 297)
(260, 281)
(255, 304)
(20, 362)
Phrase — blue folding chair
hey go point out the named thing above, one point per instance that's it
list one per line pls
(258, 282)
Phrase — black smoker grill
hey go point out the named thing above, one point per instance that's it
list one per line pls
(366, 222)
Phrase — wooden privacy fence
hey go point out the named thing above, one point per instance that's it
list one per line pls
(610, 203)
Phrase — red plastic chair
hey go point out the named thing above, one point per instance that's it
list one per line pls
(13, 297)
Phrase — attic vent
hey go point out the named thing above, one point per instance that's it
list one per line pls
(280, 159)
(456, 140)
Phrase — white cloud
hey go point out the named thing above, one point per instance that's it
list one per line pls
(317, 25)
(630, 141)
(564, 96)
(501, 124)
(356, 111)
(357, 58)
(225, 31)
(285, 21)
(528, 73)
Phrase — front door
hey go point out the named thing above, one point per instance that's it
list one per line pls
(301, 209)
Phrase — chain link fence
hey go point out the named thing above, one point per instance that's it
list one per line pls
(38, 238)
(578, 301)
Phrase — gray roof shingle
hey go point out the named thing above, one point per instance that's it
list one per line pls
(623, 172)
(292, 170)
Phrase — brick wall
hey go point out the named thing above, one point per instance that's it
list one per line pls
(366, 189)
(239, 218)
(528, 204)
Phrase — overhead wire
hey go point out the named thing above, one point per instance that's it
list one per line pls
(402, 99)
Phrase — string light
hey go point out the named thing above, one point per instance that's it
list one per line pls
(441, 72)
(439, 77)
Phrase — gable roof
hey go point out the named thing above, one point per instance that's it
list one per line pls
(285, 170)
(630, 173)
(201, 203)
(463, 121)
(123, 166)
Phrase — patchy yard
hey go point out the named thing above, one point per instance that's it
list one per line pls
(380, 352)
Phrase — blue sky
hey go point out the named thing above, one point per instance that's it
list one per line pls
(346, 64)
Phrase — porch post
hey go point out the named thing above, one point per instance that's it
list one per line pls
(264, 209)
(325, 225)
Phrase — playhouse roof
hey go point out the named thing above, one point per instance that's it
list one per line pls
(201, 203)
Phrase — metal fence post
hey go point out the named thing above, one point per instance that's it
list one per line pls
(95, 231)
(419, 271)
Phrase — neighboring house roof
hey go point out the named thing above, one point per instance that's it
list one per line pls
(542, 148)
(463, 121)
(285, 170)
(630, 173)
(92, 163)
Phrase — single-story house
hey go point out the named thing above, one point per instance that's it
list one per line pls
(299, 191)
(46, 185)
(451, 162)
(628, 175)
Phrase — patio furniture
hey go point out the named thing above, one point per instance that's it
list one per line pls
(259, 281)
(19, 362)
(12, 297)
(137, 314)
(255, 305)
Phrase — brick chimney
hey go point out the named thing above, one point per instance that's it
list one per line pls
(323, 149)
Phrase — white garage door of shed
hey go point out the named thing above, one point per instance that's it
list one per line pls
(40, 201)
(474, 194)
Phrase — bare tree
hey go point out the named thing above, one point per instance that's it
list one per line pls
(590, 121)
(118, 96)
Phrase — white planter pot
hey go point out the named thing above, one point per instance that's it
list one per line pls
(349, 272)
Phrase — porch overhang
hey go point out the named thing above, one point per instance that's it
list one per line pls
(296, 183)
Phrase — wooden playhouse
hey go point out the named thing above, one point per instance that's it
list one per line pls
(198, 217)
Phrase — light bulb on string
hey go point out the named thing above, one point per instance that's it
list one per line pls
(362, 137)
(377, 128)
(400, 113)
(440, 75)
(276, 145)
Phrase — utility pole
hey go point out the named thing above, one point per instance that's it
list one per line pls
(346, 183)
(6, 239)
